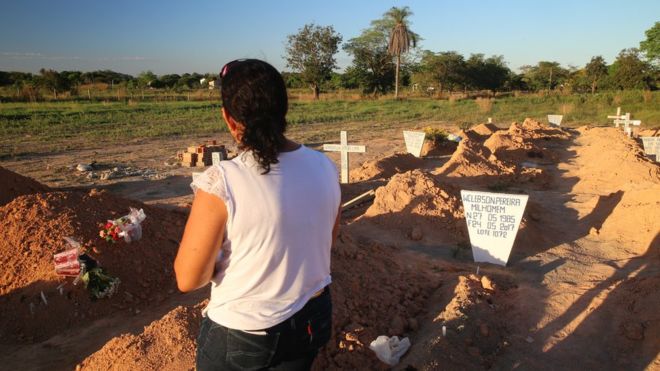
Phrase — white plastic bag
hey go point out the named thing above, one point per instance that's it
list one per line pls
(131, 230)
(390, 349)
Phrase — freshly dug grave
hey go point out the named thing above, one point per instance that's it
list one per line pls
(504, 157)
(386, 167)
(13, 185)
(433, 210)
(373, 294)
(484, 130)
(32, 230)
(475, 334)
(166, 344)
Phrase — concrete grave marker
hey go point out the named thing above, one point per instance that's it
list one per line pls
(651, 146)
(490, 120)
(344, 149)
(493, 220)
(414, 142)
(555, 119)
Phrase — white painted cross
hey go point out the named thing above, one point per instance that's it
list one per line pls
(555, 119)
(344, 149)
(618, 118)
(414, 141)
(627, 122)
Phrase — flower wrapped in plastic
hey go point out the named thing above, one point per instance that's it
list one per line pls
(73, 263)
(128, 227)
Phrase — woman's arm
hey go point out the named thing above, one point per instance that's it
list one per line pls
(201, 242)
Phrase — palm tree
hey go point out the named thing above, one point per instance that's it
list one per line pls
(401, 38)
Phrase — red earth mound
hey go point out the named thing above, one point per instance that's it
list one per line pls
(432, 210)
(32, 230)
(13, 185)
(166, 344)
(386, 167)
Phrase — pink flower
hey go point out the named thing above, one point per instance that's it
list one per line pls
(102, 234)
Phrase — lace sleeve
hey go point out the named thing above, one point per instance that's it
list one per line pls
(211, 181)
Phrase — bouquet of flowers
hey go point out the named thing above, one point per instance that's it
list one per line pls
(127, 227)
(73, 263)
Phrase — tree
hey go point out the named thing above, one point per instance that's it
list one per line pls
(447, 69)
(146, 78)
(401, 38)
(629, 71)
(651, 46)
(311, 53)
(373, 68)
(54, 81)
(490, 73)
(545, 75)
(595, 70)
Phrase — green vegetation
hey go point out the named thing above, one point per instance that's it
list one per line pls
(58, 125)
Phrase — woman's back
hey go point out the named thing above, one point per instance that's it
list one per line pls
(276, 253)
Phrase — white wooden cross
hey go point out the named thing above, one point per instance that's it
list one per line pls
(344, 149)
(618, 118)
(627, 122)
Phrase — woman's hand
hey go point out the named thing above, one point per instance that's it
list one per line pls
(201, 242)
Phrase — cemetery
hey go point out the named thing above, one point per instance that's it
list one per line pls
(523, 245)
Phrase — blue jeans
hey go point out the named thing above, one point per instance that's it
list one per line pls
(290, 345)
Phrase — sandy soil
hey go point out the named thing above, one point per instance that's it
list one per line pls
(580, 291)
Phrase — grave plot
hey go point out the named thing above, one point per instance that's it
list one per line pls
(581, 276)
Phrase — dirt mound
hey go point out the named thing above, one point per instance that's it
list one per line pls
(532, 129)
(32, 230)
(168, 343)
(386, 167)
(504, 157)
(471, 159)
(613, 161)
(484, 129)
(432, 209)
(649, 132)
(13, 185)
(475, 332)
(373, 294)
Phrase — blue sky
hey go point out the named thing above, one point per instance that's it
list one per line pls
(200, 36)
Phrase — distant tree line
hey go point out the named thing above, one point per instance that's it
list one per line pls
(382, 60)
(27, 84)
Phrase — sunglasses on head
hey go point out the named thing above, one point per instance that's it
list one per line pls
(226, 67)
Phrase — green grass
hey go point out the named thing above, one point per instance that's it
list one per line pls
(52, 125)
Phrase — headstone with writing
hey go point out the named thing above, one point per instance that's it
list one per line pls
(555, 119)
(344, 149)
(414, 141)
(651, 147)
(493, 220)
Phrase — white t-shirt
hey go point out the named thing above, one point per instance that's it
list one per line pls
(276, 250)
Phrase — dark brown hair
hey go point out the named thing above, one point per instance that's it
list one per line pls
(254, 94)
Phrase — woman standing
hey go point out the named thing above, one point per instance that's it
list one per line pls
(260, 230)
